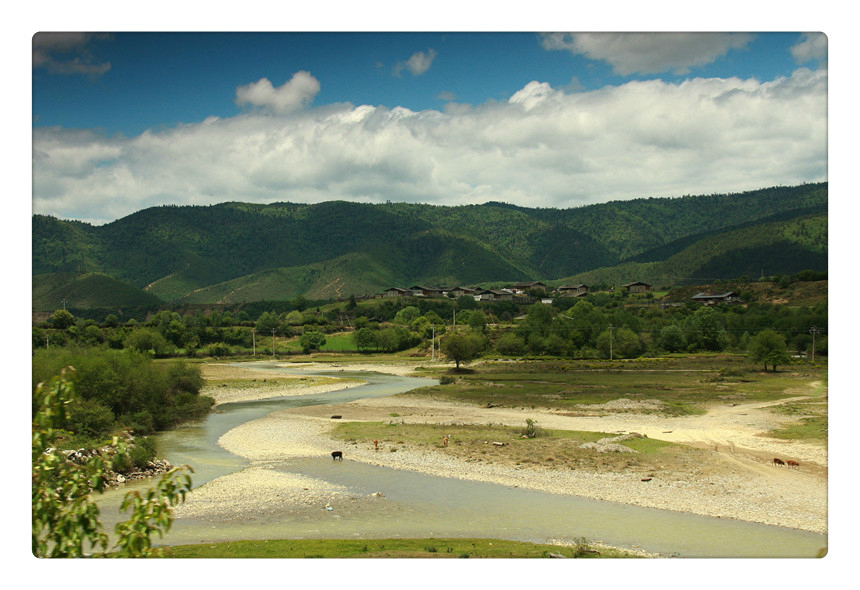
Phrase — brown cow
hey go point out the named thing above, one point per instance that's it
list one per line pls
(779, 462)
(791, 463)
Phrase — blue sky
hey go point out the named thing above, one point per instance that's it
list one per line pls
(163, 79)
(125, 121)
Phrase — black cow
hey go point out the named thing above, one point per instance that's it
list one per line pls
(337, 455)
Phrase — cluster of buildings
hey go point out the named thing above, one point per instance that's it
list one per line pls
(536, 290)
(518, 291)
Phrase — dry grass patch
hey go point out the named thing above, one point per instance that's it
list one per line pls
(511, 447)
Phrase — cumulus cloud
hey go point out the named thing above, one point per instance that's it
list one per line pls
(67, 53)
(812, 47)
(542, 147)
(648, 53)
(419, 63)
(295, 94)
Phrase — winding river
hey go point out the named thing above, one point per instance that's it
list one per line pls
(418, 505)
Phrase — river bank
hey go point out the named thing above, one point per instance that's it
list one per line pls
(734, 482)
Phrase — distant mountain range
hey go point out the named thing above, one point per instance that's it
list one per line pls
(241, 252)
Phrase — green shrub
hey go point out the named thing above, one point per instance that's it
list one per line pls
(143, 451)
(219, 349)
(91, 419)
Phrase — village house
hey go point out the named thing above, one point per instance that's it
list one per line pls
(419, 291)
(715, 298)
(396, 292)
(524, 287)
(459, 291)
(637, 287)
(573, 291)
(495, 295)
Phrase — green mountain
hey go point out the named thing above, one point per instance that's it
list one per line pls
(86, 290)
(239, 252)
(785, 246)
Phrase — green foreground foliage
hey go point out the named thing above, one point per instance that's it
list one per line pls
(122, 389)
(65, 518)
(391, 548)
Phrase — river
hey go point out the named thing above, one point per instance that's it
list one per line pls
(418, 505)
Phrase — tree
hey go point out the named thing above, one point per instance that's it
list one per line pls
(707, 323)
(769, 348)
(463, 348)
(466, 302)
(65, 519)
(672, 338)
(407, 314)
(478, 321)
(267, 321)
(364, 339)
(511, 344)
(299, 302)
(148, 340)
(62, 319)
(622, 343)
(311, 340)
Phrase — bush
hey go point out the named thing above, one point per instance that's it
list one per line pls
(218, 349)
(91, 419)
(145, 395)
(142, 451)
(511, 344)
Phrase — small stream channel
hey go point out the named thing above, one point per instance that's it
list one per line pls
(419, 505)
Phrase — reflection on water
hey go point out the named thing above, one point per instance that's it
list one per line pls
(418, 505)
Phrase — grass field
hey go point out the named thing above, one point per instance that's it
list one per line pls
(686, 385)
(389, 548)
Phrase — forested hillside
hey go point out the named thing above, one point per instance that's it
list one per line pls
(234, 252)
(753, 250)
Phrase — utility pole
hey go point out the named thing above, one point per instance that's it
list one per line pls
(64, 302)
(254, 340)
(813, 330)
(273, 342)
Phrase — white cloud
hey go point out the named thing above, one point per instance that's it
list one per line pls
(67, 53)
(419, 63)
(541, 148)
(295, 94)
(812, 47)
(648, 53)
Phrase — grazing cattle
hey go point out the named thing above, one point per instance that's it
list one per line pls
(778, 462)
(444, 441)
(375, 444)
(791, 463)
(337, 455)
(336, 417)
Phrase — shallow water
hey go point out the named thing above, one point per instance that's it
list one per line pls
(418, 505)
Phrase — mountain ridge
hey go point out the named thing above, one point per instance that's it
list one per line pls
(334, 249)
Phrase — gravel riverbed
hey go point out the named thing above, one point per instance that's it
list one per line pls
(738, 482)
